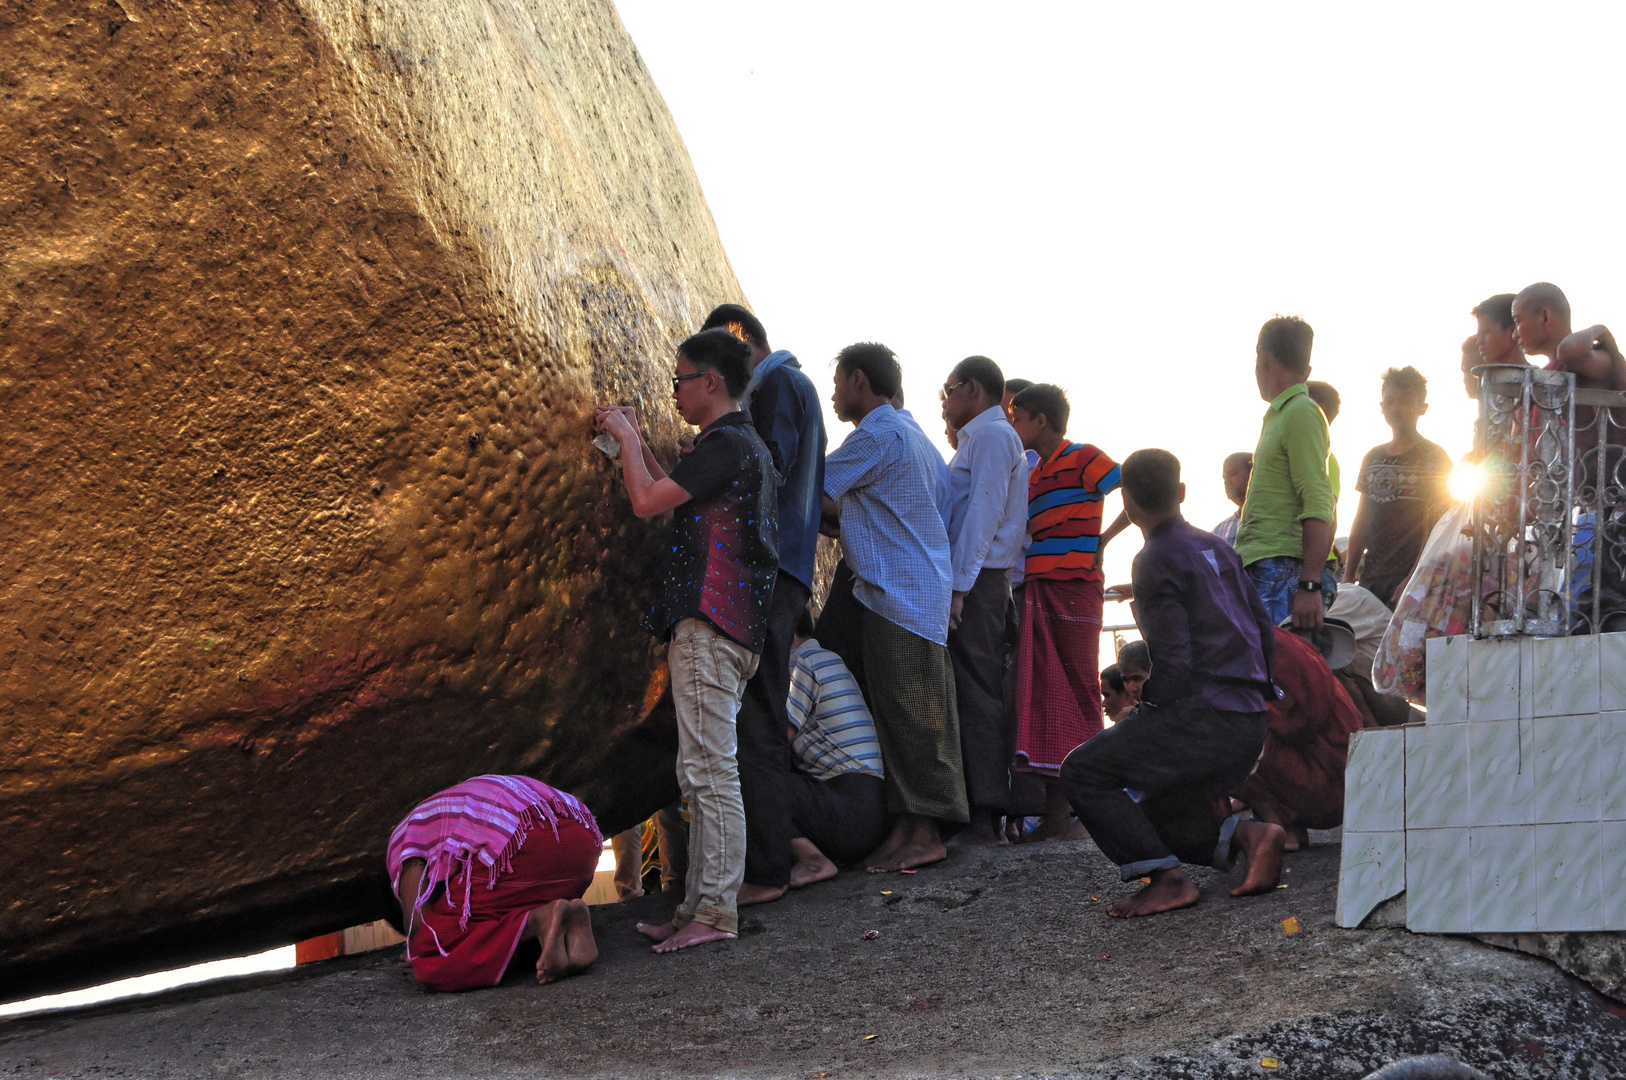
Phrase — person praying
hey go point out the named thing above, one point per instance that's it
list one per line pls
(486, 865)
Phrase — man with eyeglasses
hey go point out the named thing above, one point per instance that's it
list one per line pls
(717, 582)
(784, 407)
(988, 516)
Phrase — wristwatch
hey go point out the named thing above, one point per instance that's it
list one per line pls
(1309, 586)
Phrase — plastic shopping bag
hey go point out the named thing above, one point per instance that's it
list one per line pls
(1438, 602)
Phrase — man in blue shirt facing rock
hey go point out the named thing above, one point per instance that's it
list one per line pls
(1200, 724)
(880, 484)
(784, 408)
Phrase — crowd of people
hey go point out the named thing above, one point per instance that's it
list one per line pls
(950, 690)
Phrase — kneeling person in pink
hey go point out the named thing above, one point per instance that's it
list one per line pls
(487, 864)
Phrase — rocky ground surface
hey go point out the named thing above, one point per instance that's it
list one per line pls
(995, 964)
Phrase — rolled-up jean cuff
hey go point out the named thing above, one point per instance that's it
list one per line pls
(726, 921)
(1134, 870)
(1223, 859)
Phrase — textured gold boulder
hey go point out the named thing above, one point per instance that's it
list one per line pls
(304, 308)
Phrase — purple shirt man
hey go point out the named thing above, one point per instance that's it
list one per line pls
(1210, 639)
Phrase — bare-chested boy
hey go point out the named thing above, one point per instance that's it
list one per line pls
(1200, 725)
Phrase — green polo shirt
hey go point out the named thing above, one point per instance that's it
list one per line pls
(1289, 483)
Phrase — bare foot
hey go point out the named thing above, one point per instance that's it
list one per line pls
(912, 855)
(579, 941)
(548, 923)
(1298, 838)
(811, 864)
(759, 894)
(894, 840)
(1073, 830)
(1169, 890)
(658, 932)
(1262, 845)
(983, 831)
(696, 933)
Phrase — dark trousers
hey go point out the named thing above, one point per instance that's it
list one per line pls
(841, 622)
(987, 730)
(763, 726)
(1183, 760)
(844, 817)
(1028, 795)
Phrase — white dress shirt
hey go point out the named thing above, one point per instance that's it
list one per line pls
(988, 498)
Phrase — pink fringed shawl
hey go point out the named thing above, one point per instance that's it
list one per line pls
(485, 820)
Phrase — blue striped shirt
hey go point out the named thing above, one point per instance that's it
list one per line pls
(834, 733)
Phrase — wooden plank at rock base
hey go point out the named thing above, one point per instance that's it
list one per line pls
(306, 309)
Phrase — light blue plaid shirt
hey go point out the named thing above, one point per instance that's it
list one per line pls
(884, 476)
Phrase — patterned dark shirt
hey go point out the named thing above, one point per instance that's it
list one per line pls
(724, 552)
(1405, 495)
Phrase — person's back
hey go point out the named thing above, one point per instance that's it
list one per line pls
(834, 732)
(892, 533)
(1202, 621)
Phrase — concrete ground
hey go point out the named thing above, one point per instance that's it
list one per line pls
(998, 963)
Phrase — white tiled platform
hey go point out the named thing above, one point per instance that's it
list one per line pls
(1506, 811)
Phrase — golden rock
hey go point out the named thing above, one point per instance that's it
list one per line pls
(304, 308)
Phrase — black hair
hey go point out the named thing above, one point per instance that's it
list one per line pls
(722, 352)
(1498, 307)
(736, 320)
(1324, 395)
(1016, 386)
(1135, 654)
(1113, 679)
(1408, 380)
(1046, 400)
(804, 623)
(984, 372)
(878, 363)
(1152, 479)
(1288, 338)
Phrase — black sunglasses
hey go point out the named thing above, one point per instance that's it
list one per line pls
(677, 380)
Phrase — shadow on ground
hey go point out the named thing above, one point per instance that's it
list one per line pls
(997, 963)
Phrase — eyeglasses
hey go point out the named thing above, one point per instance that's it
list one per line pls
(949, 388)
(678, 380)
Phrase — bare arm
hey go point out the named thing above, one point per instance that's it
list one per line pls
(1593, 358)
(651, 491)
(1119, 524)
(1357, 543)
(406, 890)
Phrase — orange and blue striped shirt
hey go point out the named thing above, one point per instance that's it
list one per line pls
(1064, 512)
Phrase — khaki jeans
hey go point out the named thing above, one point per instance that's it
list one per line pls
(709, 673)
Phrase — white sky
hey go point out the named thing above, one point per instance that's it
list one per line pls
(1114, 197)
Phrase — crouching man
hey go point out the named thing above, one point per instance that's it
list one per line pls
(1200, 725)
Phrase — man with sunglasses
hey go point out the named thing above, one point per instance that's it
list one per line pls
(717, 583)
(784, 408)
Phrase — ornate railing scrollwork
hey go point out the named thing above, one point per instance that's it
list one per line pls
(1549, 524)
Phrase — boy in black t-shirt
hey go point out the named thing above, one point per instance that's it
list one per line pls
(1403, 492)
